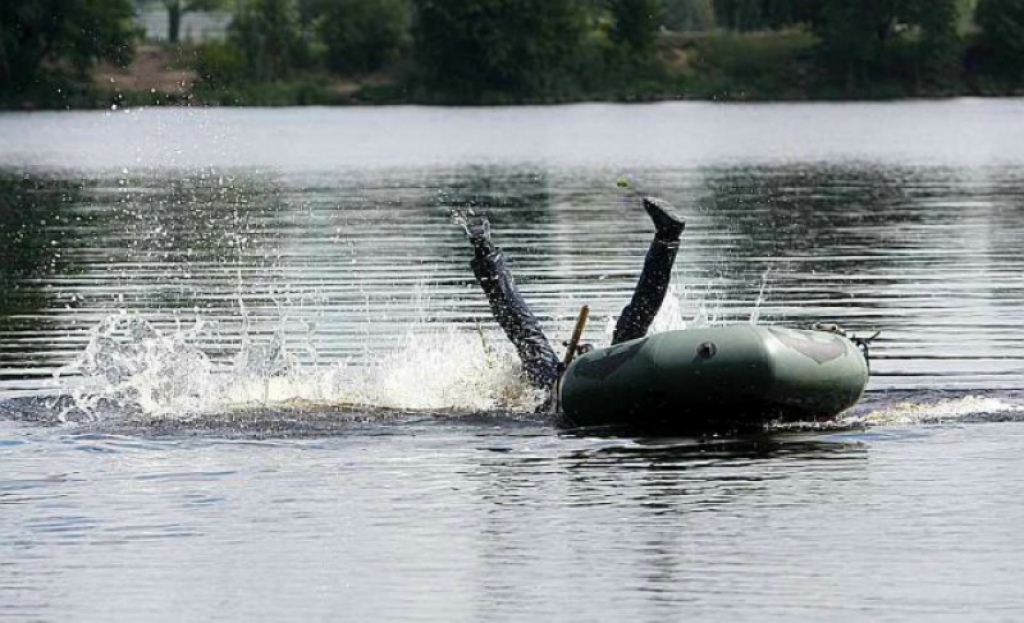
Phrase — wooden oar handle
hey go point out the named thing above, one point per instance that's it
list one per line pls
(577, 334)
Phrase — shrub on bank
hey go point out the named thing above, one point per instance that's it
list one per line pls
(997, 51)
(311, 91)
(219, 64)
(363, 35)
(749, 66)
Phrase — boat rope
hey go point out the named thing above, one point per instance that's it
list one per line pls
(863, 343)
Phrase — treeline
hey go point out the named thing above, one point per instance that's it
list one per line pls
(530, 50)
(497, 51)
(442, 51)
(469, 51)
(47, 49)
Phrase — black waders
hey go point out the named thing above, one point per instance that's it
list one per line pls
(540, 363)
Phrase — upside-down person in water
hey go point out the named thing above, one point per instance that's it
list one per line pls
(540, 363)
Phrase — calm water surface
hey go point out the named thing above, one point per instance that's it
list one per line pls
(192, 302)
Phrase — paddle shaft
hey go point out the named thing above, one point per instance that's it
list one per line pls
(577, 334)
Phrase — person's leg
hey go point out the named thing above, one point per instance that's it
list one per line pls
(650, 290)
(540, 362)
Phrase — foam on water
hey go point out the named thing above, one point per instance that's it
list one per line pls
(129, 363)
(137, 368)
(949, 410)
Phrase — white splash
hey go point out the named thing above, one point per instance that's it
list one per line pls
(128, 362)
(762, 296)
(951, 410)
(448, 368)
(432, 369)
(684, 308)
(134, 367)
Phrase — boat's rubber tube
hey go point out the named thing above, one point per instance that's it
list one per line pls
(723, 378)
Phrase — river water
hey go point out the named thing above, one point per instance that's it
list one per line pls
(245, 374)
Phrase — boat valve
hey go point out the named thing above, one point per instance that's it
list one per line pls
(707, 350)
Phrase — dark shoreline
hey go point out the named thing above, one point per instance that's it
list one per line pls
(777, 67)
(134, 99)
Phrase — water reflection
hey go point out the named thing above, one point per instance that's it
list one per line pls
(825, 234)
(822, 210)
(646, 516)
(39, 230)
(1005, 222)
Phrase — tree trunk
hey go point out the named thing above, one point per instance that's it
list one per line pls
(4, 65)
(174, 13)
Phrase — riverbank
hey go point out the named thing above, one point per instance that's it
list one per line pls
(728, 67)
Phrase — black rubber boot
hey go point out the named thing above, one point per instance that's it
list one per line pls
(669, 226)
(477, 228)
(650, 290)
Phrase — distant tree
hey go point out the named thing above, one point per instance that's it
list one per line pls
(176, 9)
(967, 9)
(785, 13)
(765, 14)
(738, 14)
(519, 48)
(635, 23)
(941, 51)
(362, 35)
(269, 36)
(1002, 33)
(689, 15)
(60, 38)
(308, 11)
(857, 38)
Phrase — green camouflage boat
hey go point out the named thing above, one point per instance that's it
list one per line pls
(717, 379)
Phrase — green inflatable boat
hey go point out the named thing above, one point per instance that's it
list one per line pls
(718, 379)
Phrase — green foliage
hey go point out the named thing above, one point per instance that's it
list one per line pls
(965, 23)
(475, 49)
(689, 15)
(363, 35)
(219, 64)
(750, 66)
(941, 48)
(750, 15)
(295, 92)
(509, 51)
(268, 35)
(636, 23)
(43, 45)
(1002, 35)
(176, 9)
(854, 37)
(868, 41)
